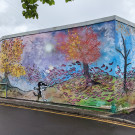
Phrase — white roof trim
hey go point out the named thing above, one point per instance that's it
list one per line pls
(105, 19)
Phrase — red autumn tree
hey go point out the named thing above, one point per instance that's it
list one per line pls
(80, 44)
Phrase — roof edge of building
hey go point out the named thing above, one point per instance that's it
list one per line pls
(95, 21)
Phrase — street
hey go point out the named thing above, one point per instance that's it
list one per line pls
(19, 121)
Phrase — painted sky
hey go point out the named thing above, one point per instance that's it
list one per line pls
(128, 33)
(40, 51)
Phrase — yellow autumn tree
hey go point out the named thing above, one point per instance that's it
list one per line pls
(10, 57)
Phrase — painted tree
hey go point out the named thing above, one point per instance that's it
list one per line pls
(80, 44)
(125, 55)
(10, 57)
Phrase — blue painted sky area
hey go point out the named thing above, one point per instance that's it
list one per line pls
(41, 51)
(128, 34)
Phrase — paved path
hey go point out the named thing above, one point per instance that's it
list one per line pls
(16, 121)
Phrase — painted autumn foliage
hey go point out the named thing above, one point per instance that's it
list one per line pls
(10, 57)
(33, 74)
(80, 44)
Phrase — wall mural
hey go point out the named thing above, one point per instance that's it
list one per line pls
(89, 66)
(125, 46)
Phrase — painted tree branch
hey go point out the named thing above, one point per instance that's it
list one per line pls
(128, 52)
(128, 64)
(120, 52)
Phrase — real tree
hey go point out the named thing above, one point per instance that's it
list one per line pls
(30, 7)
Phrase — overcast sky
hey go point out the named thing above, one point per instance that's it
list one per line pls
(12, 21)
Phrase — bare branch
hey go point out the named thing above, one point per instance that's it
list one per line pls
(120, 53)
(128, 64)
(124, 45)
(128, 52)
(123, 40)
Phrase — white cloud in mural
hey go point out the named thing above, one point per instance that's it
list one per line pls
(119, 45)
(109, 31)
(108, 41)
(109, 49)
(110, 52)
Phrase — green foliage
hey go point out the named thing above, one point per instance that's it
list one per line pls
(123, 103)
(92, 102)
(67, 0)
(125, 111)
(30, 7)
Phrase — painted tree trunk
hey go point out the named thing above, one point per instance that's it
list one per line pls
(6, 79)
(86, 70)
(86, 73)
(89, 81)
(125, 77)
(126, 64)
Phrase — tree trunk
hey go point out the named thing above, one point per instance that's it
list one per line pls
(89, 81)
(86, 73)
(125, 77)
(86, 70)
(125, 57)
(6, 80)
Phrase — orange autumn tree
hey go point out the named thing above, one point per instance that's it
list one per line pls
(10, 57)
(80, 44)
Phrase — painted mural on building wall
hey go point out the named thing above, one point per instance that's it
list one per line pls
(89, 66)
(125, 47)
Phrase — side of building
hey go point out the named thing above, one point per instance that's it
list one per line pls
(79, 64)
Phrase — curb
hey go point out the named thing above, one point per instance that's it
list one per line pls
(71, 110)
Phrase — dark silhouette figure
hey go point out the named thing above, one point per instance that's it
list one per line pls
(41, 85)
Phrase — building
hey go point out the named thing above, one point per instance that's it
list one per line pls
(88, 64)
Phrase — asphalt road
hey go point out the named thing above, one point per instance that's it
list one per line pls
(16, 121)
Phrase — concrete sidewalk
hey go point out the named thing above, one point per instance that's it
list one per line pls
(65, 108)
